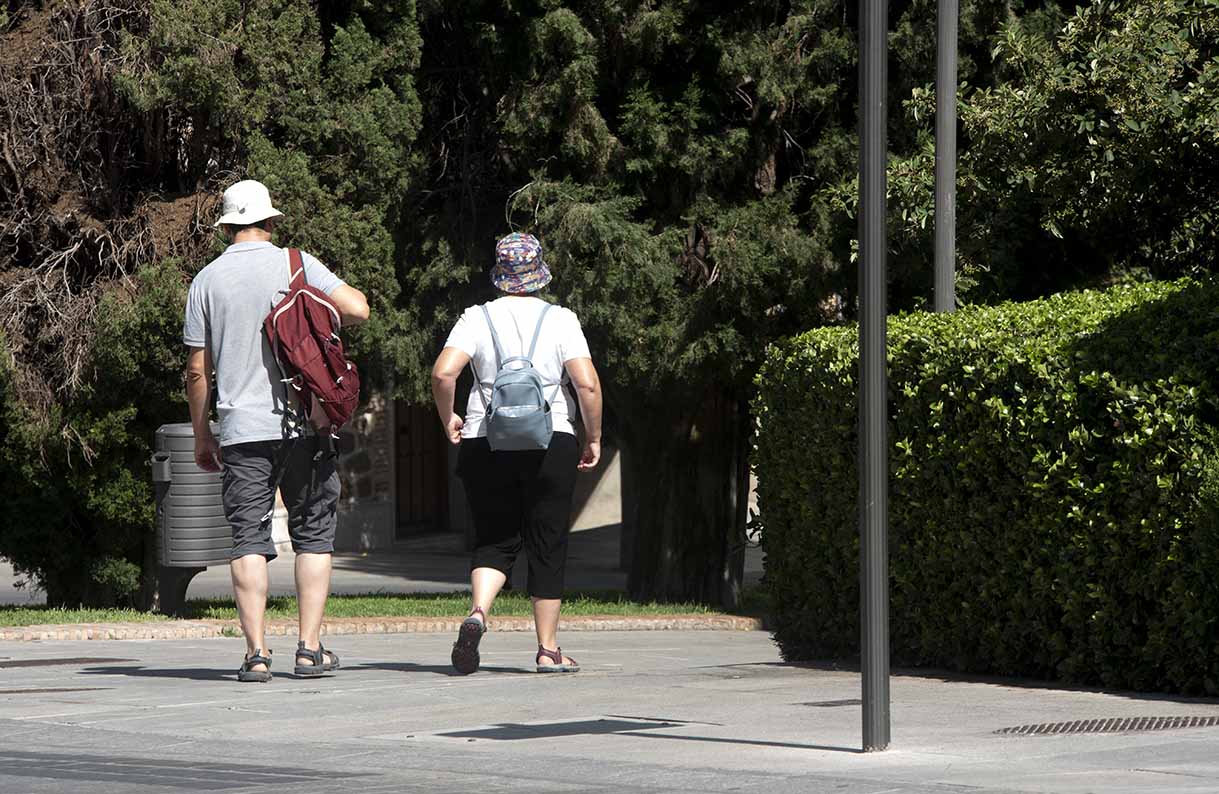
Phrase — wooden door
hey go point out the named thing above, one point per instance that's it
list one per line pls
(423, 471)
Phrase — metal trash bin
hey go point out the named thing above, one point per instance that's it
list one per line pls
(192, 532)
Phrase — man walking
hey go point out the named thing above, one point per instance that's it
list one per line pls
(257, 444)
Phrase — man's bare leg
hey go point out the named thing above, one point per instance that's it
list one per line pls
(250, 584)
(312, 589)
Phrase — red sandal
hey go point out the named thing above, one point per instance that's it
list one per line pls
(555, 656)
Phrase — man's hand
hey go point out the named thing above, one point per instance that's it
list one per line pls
(207, 452)
(590, 457)
(452, 429)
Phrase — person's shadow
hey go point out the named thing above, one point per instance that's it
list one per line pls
(189, 673)
(218, 674)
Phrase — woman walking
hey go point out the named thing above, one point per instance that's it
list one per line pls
(519, 481)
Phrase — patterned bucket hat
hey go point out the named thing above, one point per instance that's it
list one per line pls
(519, 268)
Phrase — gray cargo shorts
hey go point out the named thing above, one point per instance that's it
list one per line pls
(310, 492)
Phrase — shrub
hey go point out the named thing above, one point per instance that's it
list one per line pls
(1054, 488)
(77, 514)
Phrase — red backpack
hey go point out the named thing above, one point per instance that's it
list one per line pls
(303, 330)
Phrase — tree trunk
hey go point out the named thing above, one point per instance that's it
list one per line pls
(148, 596)
(690, 472)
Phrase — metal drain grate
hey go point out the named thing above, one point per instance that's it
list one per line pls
(1111, 725)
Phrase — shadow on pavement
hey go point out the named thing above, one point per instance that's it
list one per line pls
(619, 726)
(754, 742)
(509, 731)
(217, 674)
(951, 677)
(436, 669)
(107, 771)
(190, 673)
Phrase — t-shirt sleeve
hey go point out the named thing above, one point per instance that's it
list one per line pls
(572, 343)
(320, 276)
(464, 336)
(194, 329)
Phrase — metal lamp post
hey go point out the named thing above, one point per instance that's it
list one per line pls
(873, 447)
(945, 155)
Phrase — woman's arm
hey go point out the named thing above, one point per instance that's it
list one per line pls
(448, 366)
(588, 391)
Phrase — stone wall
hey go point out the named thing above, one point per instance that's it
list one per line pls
(366, 470)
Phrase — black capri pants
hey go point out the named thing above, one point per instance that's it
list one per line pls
(521, 499)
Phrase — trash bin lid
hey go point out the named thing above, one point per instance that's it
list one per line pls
(176, 430)
(180, 430)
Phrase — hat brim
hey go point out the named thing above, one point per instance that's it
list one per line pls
(246, 218)
(520, 284)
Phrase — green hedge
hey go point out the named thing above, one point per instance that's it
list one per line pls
(1054, 488)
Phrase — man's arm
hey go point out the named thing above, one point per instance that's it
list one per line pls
(198, 394)
(588, 391)
(448, 366)
(351, 303)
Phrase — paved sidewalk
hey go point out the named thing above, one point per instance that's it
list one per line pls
(427, 564)
(652, 712)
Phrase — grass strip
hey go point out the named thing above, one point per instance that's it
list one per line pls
(38, 615)
(443, 605)
(376, 605)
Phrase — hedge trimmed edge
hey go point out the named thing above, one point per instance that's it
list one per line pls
(1054, 488)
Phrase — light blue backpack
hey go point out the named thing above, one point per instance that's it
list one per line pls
(518, 416)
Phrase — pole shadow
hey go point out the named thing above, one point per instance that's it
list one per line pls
(750, 742)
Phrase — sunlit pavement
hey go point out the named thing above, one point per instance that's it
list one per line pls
(651, 711)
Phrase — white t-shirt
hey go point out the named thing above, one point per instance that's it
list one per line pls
(515, 318)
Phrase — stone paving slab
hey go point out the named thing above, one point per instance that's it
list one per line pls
(200, 629)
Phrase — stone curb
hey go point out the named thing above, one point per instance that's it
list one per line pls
(201, 629)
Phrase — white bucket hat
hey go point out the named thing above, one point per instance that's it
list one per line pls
(247, 202)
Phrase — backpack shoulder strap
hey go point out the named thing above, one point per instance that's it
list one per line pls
(554, 394)
(538, 331)
(533, 347)
(478, 386)
(296, 269)
(499, 350)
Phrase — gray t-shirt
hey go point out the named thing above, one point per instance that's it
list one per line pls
(228, 301)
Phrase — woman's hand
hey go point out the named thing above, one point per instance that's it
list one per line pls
(590, 457)
(452, 429)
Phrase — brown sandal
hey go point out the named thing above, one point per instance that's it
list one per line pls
(555, 656)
